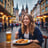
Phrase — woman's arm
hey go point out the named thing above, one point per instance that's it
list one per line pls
(38, 36)
(16, 35)
(36, 41)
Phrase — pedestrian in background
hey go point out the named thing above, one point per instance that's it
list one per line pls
(5, 26)
(42, 23)
(46, 24)
(10, 24)
(0, 26)
(38, 23)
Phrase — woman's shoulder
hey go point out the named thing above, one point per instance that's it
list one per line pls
(37, 30)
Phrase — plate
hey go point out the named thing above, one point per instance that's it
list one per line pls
(14, 42)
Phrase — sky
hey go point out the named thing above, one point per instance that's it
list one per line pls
(31, 4)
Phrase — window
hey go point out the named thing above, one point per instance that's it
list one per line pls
(42, 10)
(8, 0)
(43, 4)
(46, 1)
(46, 9)
(1, 1)
(5, 3)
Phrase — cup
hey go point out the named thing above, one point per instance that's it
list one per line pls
(8, 37)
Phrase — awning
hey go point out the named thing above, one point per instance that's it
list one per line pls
(43, 15)
(4, 11)
(39, 16)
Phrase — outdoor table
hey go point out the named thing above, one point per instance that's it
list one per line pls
(10, 45)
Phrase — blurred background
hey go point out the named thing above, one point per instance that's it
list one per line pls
(12, 12)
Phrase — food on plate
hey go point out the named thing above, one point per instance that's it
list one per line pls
(25, 41)
(21, 41)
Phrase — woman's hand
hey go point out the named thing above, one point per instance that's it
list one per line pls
(31, 40)
(36, 41)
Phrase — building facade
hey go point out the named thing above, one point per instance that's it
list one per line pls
(44, 9)
(11, 6)
(8, 5)
(6, 11)
(14, 12)
(32, 13)
(26, 10)
(17, 13)
(23, 12)
(40, 11)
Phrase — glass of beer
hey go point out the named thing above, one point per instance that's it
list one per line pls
(8, 37)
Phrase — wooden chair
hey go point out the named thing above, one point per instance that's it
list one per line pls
(45, 37)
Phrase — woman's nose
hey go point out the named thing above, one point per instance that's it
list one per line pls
(25, 20)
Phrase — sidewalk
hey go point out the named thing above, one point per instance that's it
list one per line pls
(44, 32)
(6, 29)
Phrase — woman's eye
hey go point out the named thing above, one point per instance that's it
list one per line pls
(25, 19)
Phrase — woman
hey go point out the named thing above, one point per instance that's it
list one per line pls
(29, 31)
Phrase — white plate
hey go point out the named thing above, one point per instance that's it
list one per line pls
(14, 42)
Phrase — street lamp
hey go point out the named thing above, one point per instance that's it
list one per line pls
(1, 13)
(4, 15)
(44, 16)
(41, 17)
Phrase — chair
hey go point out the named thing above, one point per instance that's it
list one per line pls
(45, 37)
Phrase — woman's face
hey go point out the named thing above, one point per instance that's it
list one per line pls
(26, 21)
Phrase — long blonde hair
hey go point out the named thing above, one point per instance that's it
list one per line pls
(31, 25)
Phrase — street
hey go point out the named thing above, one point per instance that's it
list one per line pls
(3, 35)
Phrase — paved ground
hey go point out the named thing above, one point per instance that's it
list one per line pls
(3, 35)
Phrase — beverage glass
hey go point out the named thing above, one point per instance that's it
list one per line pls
(8, 37)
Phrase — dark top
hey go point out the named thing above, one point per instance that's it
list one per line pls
(11, 25)
(46, 23)
(5, 25)
(37, 35)
(42, 23)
